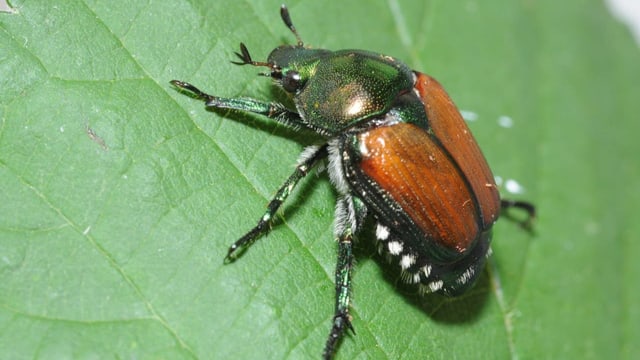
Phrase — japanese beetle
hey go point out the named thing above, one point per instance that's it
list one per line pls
(397, 149)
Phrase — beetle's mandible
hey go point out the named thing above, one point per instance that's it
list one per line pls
(398, 150)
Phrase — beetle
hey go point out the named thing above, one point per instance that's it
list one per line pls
(398, 150)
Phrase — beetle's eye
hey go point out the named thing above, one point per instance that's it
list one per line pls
(291, 81)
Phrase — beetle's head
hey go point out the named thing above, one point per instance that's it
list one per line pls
(290, 65)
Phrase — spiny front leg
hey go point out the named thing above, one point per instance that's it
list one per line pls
(272, 110)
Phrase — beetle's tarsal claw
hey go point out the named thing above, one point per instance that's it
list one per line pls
(195, 92)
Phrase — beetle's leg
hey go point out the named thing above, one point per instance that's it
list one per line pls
(350, 213)
(308, 160)
(528, 207)
(341, 318)
(272, 110)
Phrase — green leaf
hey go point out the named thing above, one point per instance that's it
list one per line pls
(120, 195)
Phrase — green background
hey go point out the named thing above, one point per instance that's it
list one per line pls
(119, 196)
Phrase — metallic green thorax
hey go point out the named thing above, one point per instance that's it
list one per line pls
(337, 90)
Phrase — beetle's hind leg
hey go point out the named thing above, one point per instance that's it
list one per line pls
(526, 206)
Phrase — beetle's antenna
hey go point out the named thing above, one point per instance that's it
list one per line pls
(284, 13)
(246, 58)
